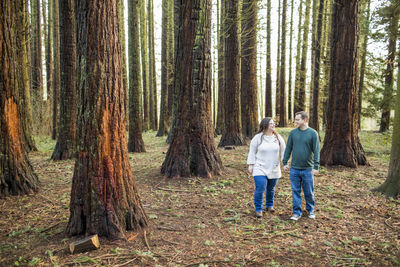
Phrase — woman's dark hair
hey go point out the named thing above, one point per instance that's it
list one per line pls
(264, 124)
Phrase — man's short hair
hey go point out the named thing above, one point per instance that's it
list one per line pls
(303, 115)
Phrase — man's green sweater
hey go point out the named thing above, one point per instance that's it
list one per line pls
(304, 147)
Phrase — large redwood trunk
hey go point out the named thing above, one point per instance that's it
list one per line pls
(268, 79)
(232, 132)
(16, 172)
(104, 197)
(66, 140)
(282, 72)
(249, 107)
(342, 145)
(192, 150)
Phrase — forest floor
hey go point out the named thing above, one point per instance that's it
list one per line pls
(210, 222)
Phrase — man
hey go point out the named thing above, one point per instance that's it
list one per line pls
(303, 144)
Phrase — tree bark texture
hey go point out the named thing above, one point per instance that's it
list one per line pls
(192, 151)
(232, 134)
(342, 145)
(49, 64)
(268, 79)
(314, 120)
(66, 140)
(248, 92)
(37, 75)
(278, 64)
(290, 91)
(392, 31)
(104, 197)
(172, 50)
(391, 186)
(221, 60)
(282, 72)
(152, 68)
(145, 65)
(16, 172)
(163, 127)
(56, 72)
(298, 60)
(124, 70)
(135, 143)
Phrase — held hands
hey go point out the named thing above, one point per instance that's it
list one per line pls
(315, 171)
(286, 167)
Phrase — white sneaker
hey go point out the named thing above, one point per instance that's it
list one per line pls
(295, 217)
(311, 215)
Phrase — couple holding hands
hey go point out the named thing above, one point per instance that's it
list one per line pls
(267, 148)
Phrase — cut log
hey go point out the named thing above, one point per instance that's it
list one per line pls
(86, 244)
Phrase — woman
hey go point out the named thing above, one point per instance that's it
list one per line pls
(266, 151)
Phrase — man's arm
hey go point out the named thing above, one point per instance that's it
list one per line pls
(316, 153)
(288, 151)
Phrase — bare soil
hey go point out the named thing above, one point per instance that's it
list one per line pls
(210, 222)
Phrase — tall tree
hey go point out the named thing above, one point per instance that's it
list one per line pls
(365, 32)
(104, 197)
(163, 127)
(135, 142)
(17, 175)
(282, 72)
(300, 103)
(25, 104)
(392, 32)
(172, 31)
(341, 144)
(296, 107)
(49, 60)
(66, 140)
(278, 63)
(56, 71)
(290, 92)
(248, 92)
(221, 70)
(391, 186)
(152, 68)
(268, 79)
(37, 74)
(145, 65)
(124, 70)
(314, 120)
(232, 133)
(192, 150)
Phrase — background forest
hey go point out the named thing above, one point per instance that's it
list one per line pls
(102, 102)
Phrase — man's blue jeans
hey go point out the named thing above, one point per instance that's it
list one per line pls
(263, 183)
(298, 179)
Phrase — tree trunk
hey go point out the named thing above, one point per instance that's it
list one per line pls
(249, 108)
(268, 80)
(17, 175)
(56, 72)
(47, 127)
(391, 186)
(278, 65)
(365, 31)
(25, 104)
(192, 150)
(290, 91)
(301, 101)
(314, 120)
(282, 72)
(232, 134)
(145, 66)
(104, 197)
(342, 145)
(123, 55)
(163, 127)
(66, 140)
(298, 59)
(135, 142)
(37, 75)
(313, 45)
(388, 93)
(172, 39)
(152, 68)
(221, 90)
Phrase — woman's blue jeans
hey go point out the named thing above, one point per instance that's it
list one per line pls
(263, 183)
(302, 179)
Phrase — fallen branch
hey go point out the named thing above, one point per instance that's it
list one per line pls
(174, 190)
(119, 265)
(168, 229)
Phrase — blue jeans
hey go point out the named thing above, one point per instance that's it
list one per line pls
(298, 179)
(262, 183)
